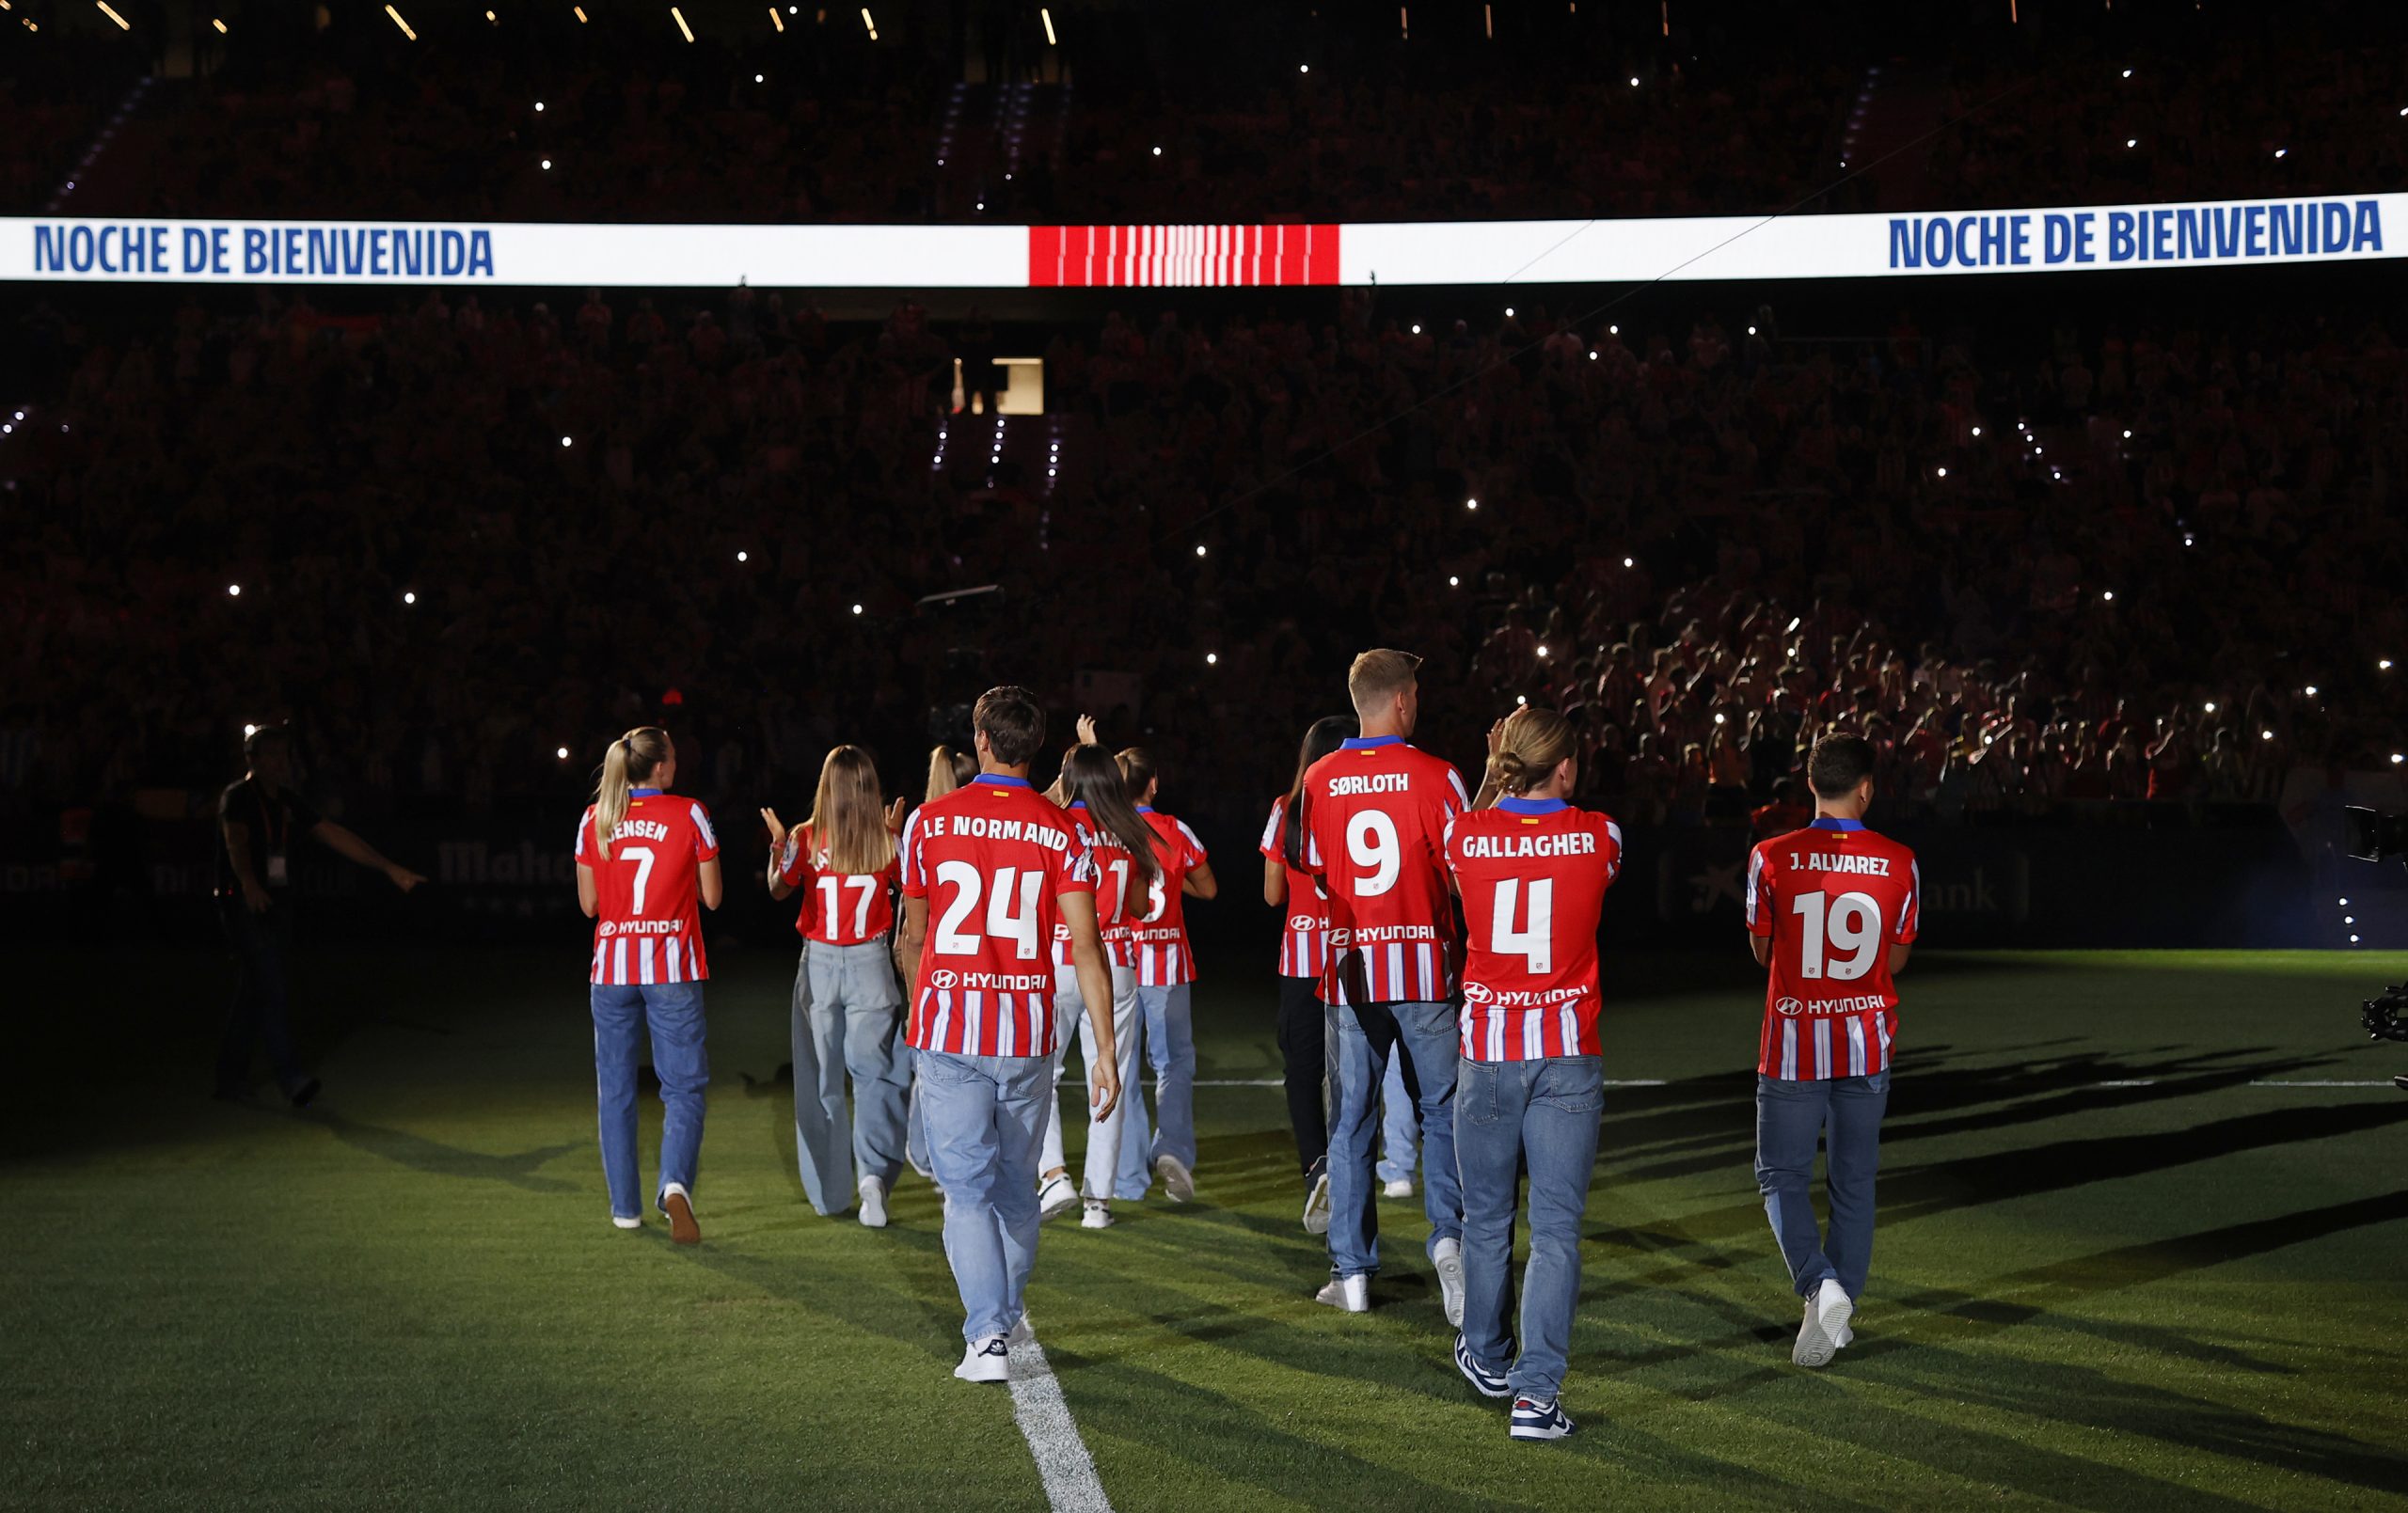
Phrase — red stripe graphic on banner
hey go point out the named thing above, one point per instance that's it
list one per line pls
(1183, 255)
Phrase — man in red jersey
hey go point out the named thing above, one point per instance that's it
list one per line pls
(997, 865)
(1832, 910)
(1377, 813)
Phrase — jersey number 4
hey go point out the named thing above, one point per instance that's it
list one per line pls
(1535, 940)
(1004, 920)
(1848, 925)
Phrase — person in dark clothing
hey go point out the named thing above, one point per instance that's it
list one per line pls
(259, 819)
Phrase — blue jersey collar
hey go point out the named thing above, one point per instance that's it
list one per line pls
(997, 779)
(1533, 806)
(643, 792)
(1832, 822)
(1365, 742)
(1145, 808)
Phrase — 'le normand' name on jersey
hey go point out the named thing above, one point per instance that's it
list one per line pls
(994, 828)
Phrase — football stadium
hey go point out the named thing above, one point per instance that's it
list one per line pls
(1533, 754)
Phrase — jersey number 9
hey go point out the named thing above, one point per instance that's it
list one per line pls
(1371, 842)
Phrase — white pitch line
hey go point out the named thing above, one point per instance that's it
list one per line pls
(2378, 1082)
(1061, 1460)
(1657, 1081)
(1273, 1082)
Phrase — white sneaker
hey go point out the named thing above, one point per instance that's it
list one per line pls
(873, 1192)
(986, 1360)
(1348, 1294)
(1178, 1181)
(1056, 1197)
(1099, 1215)
(624, 1222)
(1448, 1256)
(1317, 1205)
(1400, 1188)
(1826, 1319)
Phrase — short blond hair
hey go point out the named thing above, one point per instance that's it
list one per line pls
(1378, 677)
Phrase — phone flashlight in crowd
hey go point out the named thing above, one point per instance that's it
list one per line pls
(560, 752)
(234, 590)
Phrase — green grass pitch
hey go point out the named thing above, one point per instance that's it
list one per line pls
(2116, 1269)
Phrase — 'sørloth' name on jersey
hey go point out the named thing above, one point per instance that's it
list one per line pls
(1824, 862)
(1507, 847)
(1376, 782)
(990, 828)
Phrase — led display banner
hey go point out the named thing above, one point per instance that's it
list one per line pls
(2190, 234)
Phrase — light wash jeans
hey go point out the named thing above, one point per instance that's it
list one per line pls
(1542, 1112)
(847, 1020)
(1845, 1112)
(1105, 1138)
(1424, 1037)
(673, 1012)
(985, 1121)
(1399, 1126)
(1170, 1045)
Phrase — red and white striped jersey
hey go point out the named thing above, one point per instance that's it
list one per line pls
(993, 859)
(1304, 941)
(1533, 873)
(647, 925)
(1111, 870)
(1377, 811)
(1164, 959)
(839, 908)
(1832, 898)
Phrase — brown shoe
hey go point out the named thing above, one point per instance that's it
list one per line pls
(682, 1227)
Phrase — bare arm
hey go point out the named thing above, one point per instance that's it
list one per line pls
(779, 886)
(1094, 989)
(915, 931)
(238, 849)
(347, 844)
(1200, 883)
(710, 884)
(1762, 946)
(1898, 955)
(1275, 883)
(589, 897)
(1488, 785)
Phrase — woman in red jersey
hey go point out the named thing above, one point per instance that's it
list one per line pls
(1165, 978)
(1532, 872)
(1304, 956)
(1125, 852)
(847, 1007)
(644, 860)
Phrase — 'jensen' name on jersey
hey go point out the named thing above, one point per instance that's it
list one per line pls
(1375, 783)
(1824, 861)
(642, 830)
(1501, 847)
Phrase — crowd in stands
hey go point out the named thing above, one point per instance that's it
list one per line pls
(2125, 560)
(541, 119)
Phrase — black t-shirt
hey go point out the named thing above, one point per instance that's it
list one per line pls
(276, 823)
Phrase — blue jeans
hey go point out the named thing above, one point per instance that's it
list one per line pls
(1400, 1127)
(1423, 1036)
(845, 1019)
(1544, 1112)
(1170, 1045)
(261, 943)
(1846, 1112)
(673, 1012)
(986, 1119)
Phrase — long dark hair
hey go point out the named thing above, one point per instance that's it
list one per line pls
(1327, 734)
(1091, 776)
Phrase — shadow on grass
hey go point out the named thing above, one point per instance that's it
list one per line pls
(435, 1158)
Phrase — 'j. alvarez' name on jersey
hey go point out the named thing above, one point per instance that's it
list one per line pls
(1504, 847)
(1372, 782)
(1842, 861)
(994, 828)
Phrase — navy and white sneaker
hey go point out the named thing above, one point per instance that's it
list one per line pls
(1485, 1381)
(1539, 1421)
(986, 1360)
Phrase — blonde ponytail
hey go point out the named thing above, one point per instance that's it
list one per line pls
(1532, 745)
(847, 822)
(949, 769)
(631, 760)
